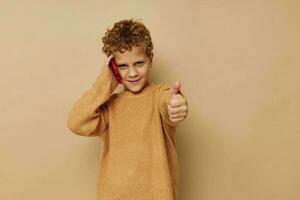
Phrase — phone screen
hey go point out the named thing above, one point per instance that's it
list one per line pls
(114, 68)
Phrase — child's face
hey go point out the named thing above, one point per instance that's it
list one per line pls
(134, 68)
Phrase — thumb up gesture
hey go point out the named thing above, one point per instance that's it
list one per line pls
(177, 107)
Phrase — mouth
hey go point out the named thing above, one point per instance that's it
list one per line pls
(133, 81)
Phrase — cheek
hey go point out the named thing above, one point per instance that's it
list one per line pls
(145, 72)
(123, 73)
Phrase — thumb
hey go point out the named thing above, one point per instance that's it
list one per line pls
(176, 88)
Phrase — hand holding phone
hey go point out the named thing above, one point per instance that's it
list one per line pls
(114, 68)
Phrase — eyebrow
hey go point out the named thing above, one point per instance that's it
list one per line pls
(141, 60)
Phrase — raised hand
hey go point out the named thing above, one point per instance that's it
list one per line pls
(177, 107)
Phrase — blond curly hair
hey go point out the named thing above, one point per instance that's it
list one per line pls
(124, 35)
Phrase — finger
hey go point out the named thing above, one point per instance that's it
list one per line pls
(177, 120)
(176, 110)
(109, 58)
(178, 115)
(177, 102)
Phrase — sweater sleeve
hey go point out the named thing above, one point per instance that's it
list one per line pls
(164, 97)
(89, 115)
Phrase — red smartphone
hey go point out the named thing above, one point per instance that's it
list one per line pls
(114, 68)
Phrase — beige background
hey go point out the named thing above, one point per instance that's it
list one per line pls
(238, 62)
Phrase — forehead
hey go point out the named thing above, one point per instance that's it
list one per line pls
(136, 52)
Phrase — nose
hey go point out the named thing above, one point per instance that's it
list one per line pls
(132, 72)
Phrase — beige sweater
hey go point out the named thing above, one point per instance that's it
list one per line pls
(138, 159)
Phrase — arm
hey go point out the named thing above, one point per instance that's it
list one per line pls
(89, 115)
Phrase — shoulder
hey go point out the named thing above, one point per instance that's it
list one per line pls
(163, 92)
(162, 87)
(113, 98)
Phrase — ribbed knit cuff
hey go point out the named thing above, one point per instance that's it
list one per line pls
(152, 194)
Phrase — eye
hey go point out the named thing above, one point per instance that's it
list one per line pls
(122, 66)
(140, 63)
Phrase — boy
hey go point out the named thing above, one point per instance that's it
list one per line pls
(137, 125)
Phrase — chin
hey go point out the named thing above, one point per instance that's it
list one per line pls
(135, 90)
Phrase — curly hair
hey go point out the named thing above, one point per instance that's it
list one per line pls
(124, 35)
